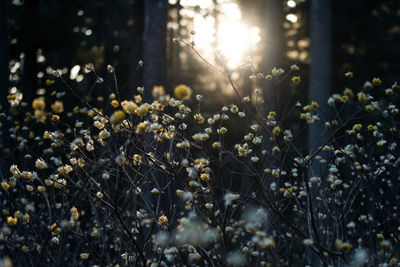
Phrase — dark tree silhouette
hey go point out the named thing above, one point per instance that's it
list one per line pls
(4, 72)
(273, 46)
(30, 31)
(154, 46)
(137, 45)
(321, 61)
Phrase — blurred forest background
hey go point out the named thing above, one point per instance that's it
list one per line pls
(37, 36)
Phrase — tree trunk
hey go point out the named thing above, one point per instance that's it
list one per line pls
(154, 48)
(154, 73)
(4, 83)
(319, 90)
(29, 76)
(179, 30)
(137, 46)
(4, 72)
(109, 27)
(321, 61)
(273, 49)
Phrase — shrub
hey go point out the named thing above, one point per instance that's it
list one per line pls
(129, 182)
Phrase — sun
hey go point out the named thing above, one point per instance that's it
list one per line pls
(234, 39)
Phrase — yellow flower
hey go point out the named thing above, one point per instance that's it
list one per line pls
(12, 221)
(12, 97)
(60, 183)
(91, 113)
(25, 249)
(369, 108)
(276, 131)
(371, 127)
(179, 193)
(267, 243)
(38, 103)
(137, 159)
(294, 67)
(362, 98)
(199, 118)
(98, 124)
(74, 213)
(205, 177)
(271, 115)
(56, 230)
(49, 82)
(287, 191)
(5, 185)
(138, 99)
(57, 107)
(25, 218)
(389, 91)
(349, 74)
(201, 136)
(314, 105)
(209, 205)
(26, 174)
(176, 39)
(104, 134)
(277, 71)
(305, 116)
(216, 145)
(110, 68)
(342, 246)
(344, 99)
(64, 169)
(183, 92)
(114, 103)
(40, 115)
(84, 256)
(348, 92)
(41, 189)
(222, 130)
(41, 164)
(95, 232)
(162, 219)
(117, 117)
(129, 106)
(140, 90)
(296, 79)
(89, 67)
(158, 91)
(376, 81)
(142, 110)
(357, 127)
(142, 127)
(155, 191)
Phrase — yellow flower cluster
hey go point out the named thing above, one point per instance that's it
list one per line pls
(117, 117)
(57, 107)
(183, 92)
(158, 91)
(38, 103)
